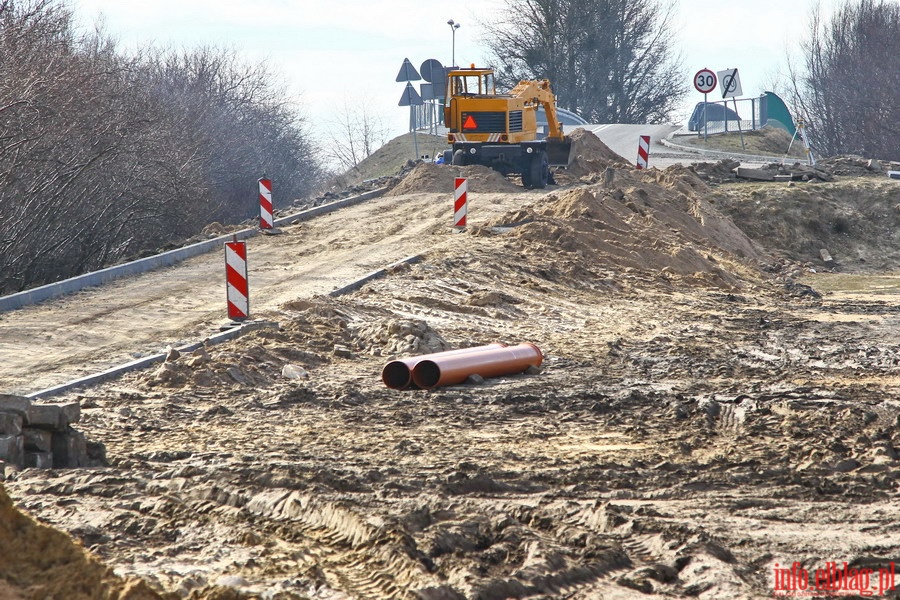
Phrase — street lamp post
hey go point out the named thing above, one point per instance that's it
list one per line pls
(453, 27)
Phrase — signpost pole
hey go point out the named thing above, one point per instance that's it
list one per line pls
(740, 128)
(704, 82)
(705, 122)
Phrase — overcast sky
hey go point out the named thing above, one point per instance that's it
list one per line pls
(329, 53)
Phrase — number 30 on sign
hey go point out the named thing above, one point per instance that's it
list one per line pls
(705, 81)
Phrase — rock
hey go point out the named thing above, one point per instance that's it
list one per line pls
(12, 449)
(475, 379)
(198, 357)
(10, 424)
(38, 460)
(237, 375)
(874, 165)
(14, 404)
(342, 351)
(294, 372)
(172, 354)
(46, 416)
(533, 370)
(846, 465)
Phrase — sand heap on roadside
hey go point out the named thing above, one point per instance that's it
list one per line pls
(654, 222)
(439, 179)
(41, 562)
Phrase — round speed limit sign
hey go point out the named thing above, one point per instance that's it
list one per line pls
(705, 81)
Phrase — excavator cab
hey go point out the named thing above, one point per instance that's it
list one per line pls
(476, 83)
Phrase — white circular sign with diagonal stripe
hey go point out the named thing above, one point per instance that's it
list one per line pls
(730, 83)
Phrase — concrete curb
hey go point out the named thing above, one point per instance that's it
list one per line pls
(355, 285)
(668, 143)
(96, 278)
(225, 336)
(150, 360)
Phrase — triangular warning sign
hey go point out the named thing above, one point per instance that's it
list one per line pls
(410, 97)
(408, 72)
(470, 123)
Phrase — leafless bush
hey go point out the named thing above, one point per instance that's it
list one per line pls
(850, 77)
(104, 156)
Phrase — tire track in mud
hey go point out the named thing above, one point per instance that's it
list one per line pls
(365, 559)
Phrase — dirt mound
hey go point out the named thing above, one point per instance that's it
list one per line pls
(432, 178)
(391, 157)
(855, 166)
(656, 222)
(857, 220)
(41, 562)
(590, 156)
(587, 145)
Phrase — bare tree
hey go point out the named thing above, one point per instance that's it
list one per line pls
(608, 60)
(847, 87)
(354, 135)
(104, 156)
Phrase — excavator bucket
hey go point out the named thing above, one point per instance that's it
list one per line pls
(559, 152)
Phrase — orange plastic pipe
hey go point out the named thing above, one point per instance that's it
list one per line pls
(397, 374)
(441, 370)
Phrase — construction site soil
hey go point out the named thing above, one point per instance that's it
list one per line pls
(717, 403)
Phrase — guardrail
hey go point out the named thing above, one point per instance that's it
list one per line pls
(724, 115)
(164, 259)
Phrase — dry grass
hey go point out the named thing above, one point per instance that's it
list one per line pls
(768, 141)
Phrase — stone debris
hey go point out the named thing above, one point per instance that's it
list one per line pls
(41, 435)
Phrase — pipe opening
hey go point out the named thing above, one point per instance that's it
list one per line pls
(396, 375)
(426, 374)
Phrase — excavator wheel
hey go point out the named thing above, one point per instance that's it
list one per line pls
(537, 172)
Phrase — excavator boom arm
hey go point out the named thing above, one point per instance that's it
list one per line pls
(537, 91)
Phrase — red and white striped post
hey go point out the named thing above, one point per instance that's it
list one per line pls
(460, 202)
(266, 218)
(643, 152)
(237, 287)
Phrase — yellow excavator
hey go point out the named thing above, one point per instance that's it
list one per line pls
(500, 130)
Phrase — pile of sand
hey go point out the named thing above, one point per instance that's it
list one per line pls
(590, 155)
(37, 561)
(654, 222)
(432, 178)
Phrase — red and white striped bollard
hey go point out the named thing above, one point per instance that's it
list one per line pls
(460, 202)
(236, 284)
(266, 218)
(643, 152)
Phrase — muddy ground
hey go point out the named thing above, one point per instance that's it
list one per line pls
(706, 412)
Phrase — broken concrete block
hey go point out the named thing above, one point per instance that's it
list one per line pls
(826, 256)
(46, 416)
(12, 449)
(10, 424)
(757, 174)
(69, 449)
(15, 404)
(38, 440)
(7, 470)
(71, 411)
(38, 460)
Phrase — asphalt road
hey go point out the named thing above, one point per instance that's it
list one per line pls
(623, 139)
